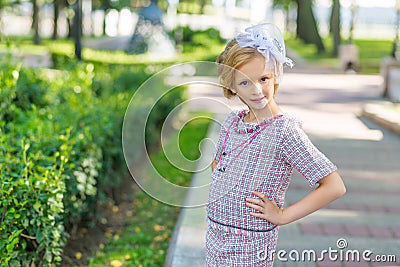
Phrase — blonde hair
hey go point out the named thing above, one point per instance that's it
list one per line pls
(231, 59)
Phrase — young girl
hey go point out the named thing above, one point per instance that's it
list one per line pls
(256, 153)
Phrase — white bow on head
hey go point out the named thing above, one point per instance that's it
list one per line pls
(260, 38)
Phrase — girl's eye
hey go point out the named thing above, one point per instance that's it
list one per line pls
(244, 83)
(265, 79)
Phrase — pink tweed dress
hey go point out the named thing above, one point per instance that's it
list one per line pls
(255, 157)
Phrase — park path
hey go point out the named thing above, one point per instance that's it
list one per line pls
(366, 218)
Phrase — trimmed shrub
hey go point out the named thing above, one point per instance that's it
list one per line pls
(60, 153)
(60, 142)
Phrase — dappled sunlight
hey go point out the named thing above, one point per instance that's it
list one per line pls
(329, 105)
(349, 82)
(334, 213)
(335, 125)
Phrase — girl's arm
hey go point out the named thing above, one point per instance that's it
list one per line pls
(213, 165)
(330, 188)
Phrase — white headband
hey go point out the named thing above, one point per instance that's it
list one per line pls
(267, 39)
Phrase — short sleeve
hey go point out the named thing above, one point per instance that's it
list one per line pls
(220, 142)
(299, 152)
(223, 134)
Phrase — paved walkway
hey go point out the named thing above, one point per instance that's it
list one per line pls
(365, 219)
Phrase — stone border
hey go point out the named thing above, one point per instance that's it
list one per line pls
(378, 114)
(187, 244)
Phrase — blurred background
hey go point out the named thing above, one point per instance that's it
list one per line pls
(117, 25)
(69, 68)
(118, 18)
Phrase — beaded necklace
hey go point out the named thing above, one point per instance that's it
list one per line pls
(255, 132)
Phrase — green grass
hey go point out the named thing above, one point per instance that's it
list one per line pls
(66, 47)
(20, 45)
(145, 238)
(371, 52)
(306, 51)
(188, 140)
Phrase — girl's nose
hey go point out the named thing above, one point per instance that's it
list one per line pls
(257, 88)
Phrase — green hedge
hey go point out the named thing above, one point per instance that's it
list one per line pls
(60, 153)
(60, 141)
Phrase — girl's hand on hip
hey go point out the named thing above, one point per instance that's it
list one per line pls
(265, 209)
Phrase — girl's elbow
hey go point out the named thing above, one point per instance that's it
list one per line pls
(341, 190)
(337, 192)
(334, 185)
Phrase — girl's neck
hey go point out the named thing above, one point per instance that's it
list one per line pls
(256, 116)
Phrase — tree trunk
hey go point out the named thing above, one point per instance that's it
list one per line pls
(35, 22)
(70, 10)
(107, 6)
(56, 13)
(353, 9)
(78, 29)
(307, 26)
(335, 26)
(202, 5)
(287, 18)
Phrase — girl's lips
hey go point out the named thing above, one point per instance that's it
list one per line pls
(258, 100)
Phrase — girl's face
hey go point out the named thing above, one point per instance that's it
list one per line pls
(254, 83)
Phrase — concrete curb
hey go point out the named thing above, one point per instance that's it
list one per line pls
(173, 242)
(381, 115)
(187, 245)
